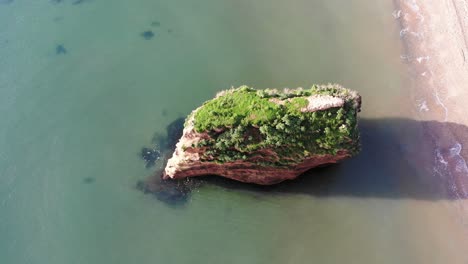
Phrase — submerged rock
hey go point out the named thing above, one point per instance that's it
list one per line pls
(267, 136)
(175, 192)
(150, 156)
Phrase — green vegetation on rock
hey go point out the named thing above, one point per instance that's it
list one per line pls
(243, 122)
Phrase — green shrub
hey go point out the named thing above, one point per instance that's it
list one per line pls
(250, 120)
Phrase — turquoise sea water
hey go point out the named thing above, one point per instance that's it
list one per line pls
(82, 91)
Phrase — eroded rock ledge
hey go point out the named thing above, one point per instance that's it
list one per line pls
(267, 136)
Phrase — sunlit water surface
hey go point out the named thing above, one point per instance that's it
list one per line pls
(84, 85)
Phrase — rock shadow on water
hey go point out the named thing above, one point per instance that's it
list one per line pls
(400, 159)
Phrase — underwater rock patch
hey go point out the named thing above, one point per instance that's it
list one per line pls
(150, 156)
(173, 193)
(162, 144)
(168, 140)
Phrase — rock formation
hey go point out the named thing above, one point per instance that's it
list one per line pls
(267, 136)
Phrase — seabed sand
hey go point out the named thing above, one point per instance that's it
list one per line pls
(434, 36)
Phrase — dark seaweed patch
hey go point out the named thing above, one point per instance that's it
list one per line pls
(58, 18)
(147, 34)
(155, 24)
(88, 180)
(77, 2)
(60, 49)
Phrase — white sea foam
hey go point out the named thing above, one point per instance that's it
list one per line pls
(439, 102)
(460, 164)
(397, 13)
(423, 58)
(454, 180)
(404, 32)
(440, 158)
(420, 18)
(423, 106)
(405, 57)
(412, 4)
(455, 150)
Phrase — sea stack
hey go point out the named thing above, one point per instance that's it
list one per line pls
(267, 136)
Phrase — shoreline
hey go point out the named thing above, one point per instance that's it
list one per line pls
(435, 49)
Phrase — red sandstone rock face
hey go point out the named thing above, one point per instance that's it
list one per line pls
(249, 172)
(187, 163)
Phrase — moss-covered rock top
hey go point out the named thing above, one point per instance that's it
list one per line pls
(243, 122)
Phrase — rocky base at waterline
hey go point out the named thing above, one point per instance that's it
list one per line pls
(267, 136)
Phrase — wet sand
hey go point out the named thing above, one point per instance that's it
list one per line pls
(434, 37)
(434, 40)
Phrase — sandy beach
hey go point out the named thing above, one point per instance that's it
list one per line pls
(434, 37)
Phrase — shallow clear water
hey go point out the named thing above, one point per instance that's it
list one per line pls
(82, 90)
